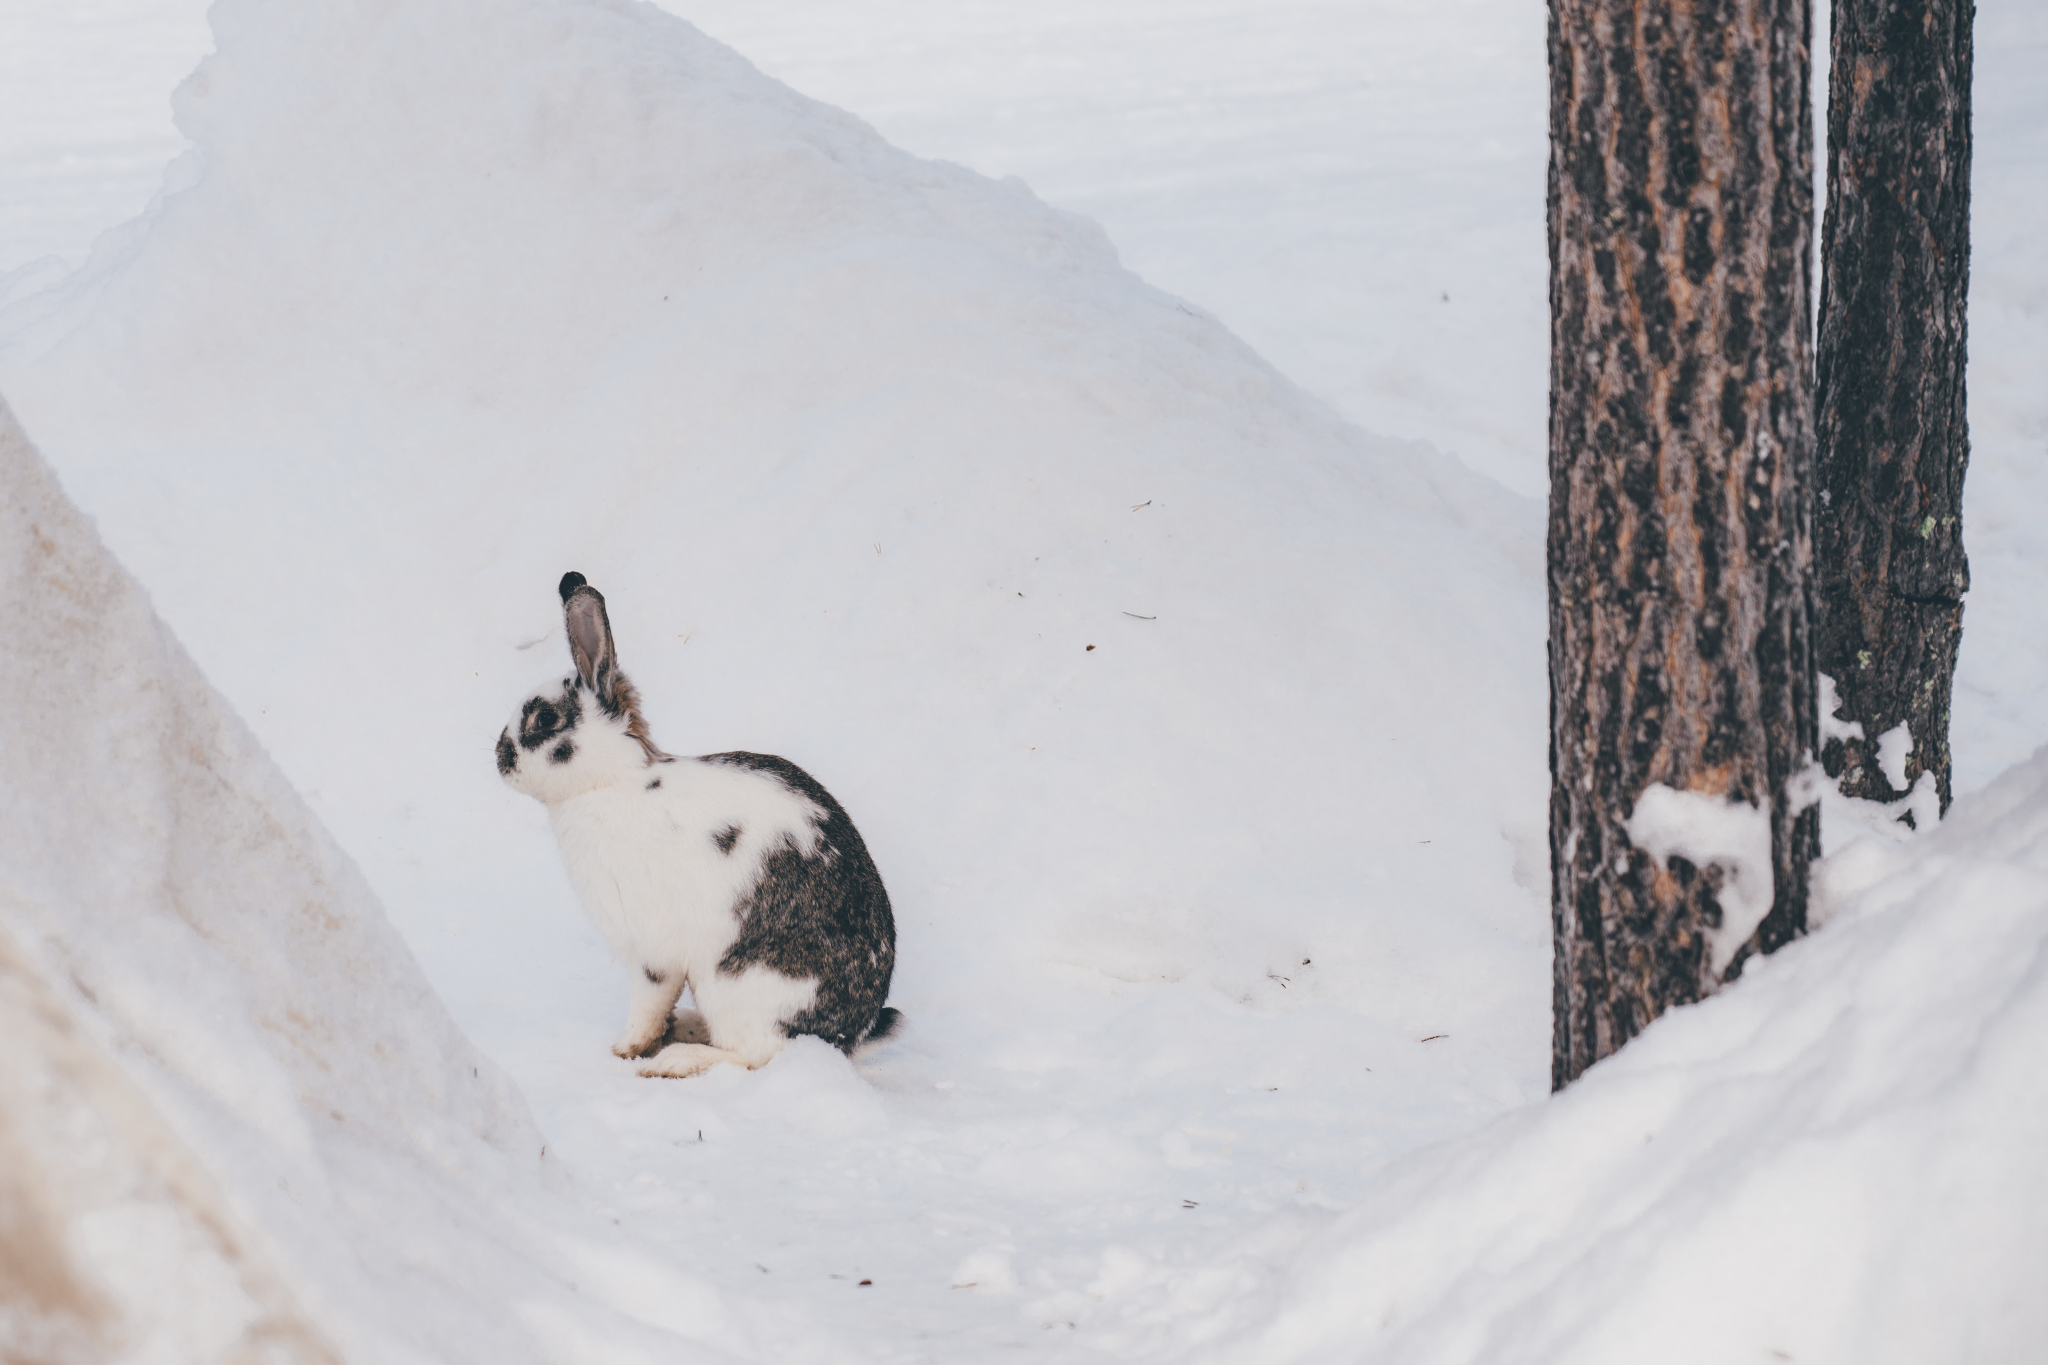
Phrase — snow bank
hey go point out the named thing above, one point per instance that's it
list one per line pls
(113, 1236)
(237, 1120)
(1838, 1159)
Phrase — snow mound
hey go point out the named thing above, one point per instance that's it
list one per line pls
(1127, 657)
(113, 1235)
(237, 1120)
(1839, 1159)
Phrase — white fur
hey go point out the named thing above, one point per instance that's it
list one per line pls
(646, 867)
(742, 1014)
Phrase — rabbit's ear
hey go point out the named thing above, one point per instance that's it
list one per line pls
(590, 636)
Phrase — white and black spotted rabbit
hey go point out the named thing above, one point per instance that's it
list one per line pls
(736, 875)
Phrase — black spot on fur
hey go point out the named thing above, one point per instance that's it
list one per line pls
(726, 838)
(655, 784)
(543, 718)
(825, 915)
(651, 975)
(508, 753)
(570, 582)
(563, 752)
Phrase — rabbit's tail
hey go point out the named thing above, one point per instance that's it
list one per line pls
(885, 1026)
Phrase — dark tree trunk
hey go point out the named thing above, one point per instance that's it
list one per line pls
(1681, 446)
(1893, 432)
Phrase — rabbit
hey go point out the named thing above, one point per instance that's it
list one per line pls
(735, 874)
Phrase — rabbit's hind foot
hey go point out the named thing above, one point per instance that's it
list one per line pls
(678, 1060)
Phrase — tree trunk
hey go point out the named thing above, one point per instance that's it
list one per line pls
(1893, 433)
(1681, 446)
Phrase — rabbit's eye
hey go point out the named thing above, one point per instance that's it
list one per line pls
(542, 718)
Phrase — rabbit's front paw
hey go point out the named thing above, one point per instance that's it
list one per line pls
(639, 1044)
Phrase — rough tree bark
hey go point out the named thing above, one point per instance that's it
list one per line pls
(1893, 433)
(1681, 205)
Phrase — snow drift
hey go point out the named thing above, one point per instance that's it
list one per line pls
(113, 1235)
(1838, 1160)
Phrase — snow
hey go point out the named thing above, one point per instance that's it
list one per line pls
(1837, 1160)
(2002, 673)
(84, 125)
(1711, 832)
(1224, 943)
(1354, 186)
(1832, 726)
(115, 1232)
(1846, 819)
(1894, 747)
